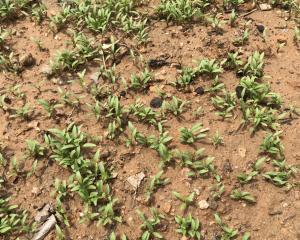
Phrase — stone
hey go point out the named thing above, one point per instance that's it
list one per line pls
(156, 102)
(46, 70)
(167, 207)
(27, 60)
(199, 91)
(135, 180)
(203, 204)
(265, 7)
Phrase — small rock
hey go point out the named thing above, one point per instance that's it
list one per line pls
(123, 93)
(227, 167)
(282, 39)
(199, 91)
(157, 63)
(203, 204)
(265, 7)
(35, 191)
(46, 70)
(274, 210)
(135, 180)
(156, 102)
(242, 151)
(167, 207)
(27, 60)
(260, 28)
(213, 204)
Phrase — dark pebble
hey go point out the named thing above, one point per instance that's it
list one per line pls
(157, 63)
(156, 102)
(199, 90)
(240, 73)
(239, 89)
(122, 94)
(260, 28)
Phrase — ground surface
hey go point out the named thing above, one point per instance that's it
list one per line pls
(276, 213)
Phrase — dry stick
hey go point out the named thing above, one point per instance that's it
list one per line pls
(248, 13)
(45, 228)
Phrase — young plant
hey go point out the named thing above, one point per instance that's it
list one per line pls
(209, 67)
(229, 233)
(35, 149)
(141, 82)
(241, 41)
(240, 195)
(255, 64)
(272, 145)
(192, 135)
(233, 61)
(187, 76)
(156, 182)
(245, 178)
(150, 225)
(22, 112)
(178, 10)
(50, 106)
(217, 140)
(176, 106)
(225, 104)
(186, 200)
(145, 114)
(189, 227)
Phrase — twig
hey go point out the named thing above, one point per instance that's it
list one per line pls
(248, 13)
(45, 228)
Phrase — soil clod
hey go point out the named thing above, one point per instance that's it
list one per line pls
(156, 102)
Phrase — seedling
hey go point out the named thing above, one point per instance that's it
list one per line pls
(156, 182)
(240, 41)
(145, 114)
(272, 145)
(209, 67)
(229, 233)
(254, 65)
(13, 221)
(245, 178)
(49, 106)
(150, 225)
(192, 135)
(233, 61)
(225, 104)
(178, 10)
(108, 215)
(189, 227)
(232, 18)
(141, 82)
(22, 112)
(176, 106)
(186, 200)
(98, 19)
(239, 195)
(35, 149)
(186, 78)
(278, 178)
(217, 140)
(216, 23)
(297, 35)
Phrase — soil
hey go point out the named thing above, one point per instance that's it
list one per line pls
(276, 215)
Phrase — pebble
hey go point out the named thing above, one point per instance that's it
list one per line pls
(156, 102)
(203, 204)
(167, 207)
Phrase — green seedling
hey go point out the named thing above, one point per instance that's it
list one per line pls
(241, 41)
(225, 104)
(50, 106)
(245, 178)
(22, 112)
(141, 82)
(255, 64)
(217, 140)
(156, 182)
(176, 106)
(272, 145)
(178, 10)
(189, 227)
(150, 225)
(193, 134)
(35, 149)
(209, 67)
(240, 195)
(143, 113)
(229, 233)
(186, 200)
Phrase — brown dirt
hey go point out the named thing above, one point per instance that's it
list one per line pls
(183, 45)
